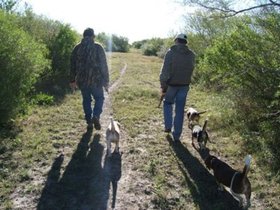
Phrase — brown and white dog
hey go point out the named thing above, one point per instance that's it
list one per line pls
(237, 181)
(201, 134)
(113, 136)
(193, 116)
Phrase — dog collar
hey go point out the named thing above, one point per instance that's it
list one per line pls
(231, 183)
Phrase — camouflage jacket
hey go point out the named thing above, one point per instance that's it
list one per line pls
(89, 65)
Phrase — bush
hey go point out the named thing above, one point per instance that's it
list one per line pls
(43, 99)
(22, 60)
(246, 63)
(152, 47)
(60, 50)
(113, 43)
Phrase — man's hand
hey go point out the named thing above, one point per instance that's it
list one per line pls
(73, 85)
(106, 88)
(163, 91)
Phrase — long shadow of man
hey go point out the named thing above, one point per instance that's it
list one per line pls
(73, 190)
(201, 183)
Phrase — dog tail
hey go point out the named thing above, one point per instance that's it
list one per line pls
(205, 124)
(246, 168)
(112, 123)
(202, 112)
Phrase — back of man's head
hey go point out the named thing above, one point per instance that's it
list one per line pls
(88, 32)
(181, 38)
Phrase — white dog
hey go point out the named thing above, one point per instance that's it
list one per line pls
(113, 135)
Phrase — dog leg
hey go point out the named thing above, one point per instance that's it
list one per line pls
(248, 196)
(193, 143)
(220, 186)
(201, 146)
(109, 148)
(117, 147)
(238, 198)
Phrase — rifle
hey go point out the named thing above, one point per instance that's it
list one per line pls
(161, 99)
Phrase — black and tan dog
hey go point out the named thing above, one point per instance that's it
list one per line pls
(201, 134)
(237, 181)
(193, 116)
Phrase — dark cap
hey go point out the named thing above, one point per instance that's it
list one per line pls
(88, 32)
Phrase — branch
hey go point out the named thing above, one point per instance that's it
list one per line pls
(275, 3)
(231, 12)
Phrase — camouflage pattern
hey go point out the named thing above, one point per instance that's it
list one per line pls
(88, 64)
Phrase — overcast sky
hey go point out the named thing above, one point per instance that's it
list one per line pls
(133, 19)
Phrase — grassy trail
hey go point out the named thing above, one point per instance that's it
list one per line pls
(51, 161)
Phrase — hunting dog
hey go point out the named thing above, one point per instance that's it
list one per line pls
(193, 116)
(237, 181)
(113, 136)
(201, 134)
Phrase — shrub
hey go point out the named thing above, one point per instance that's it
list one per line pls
(21, 62)
(60, 50)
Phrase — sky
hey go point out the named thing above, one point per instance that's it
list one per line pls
(133, 19)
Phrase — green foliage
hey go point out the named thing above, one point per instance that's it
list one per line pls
(167, 43)
(22, 60)
(113, 43)
(60, 51)
(246, 62)
(60, 40)
(40, 28)
(203, 28)
(120, 44)
(152, 46)
(8, 5)
(43, 99)
(139, 44)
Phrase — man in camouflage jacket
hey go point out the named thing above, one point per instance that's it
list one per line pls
(89, 71)
(175, 78)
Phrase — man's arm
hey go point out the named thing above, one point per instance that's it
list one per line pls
(165, 71)
(104, 66)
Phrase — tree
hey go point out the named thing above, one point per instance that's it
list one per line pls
(8, 5)
(226, 8)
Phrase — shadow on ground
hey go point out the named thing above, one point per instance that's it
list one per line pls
(201, 183)
(85, 184)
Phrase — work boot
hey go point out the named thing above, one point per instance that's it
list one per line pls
(96, 123)
(167, 130)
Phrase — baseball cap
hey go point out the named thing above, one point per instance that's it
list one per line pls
(181, 36)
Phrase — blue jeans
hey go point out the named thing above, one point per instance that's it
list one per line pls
(175, 95)
(98, 95)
